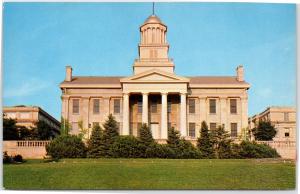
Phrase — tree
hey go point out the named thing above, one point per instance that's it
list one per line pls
(110, 134)
(10, 129)
(65, 126)
(83, 132)
(173, 137)
(42, 130)
(145, 135)
(96, 144)
(221, 142)
(264, 131)
(204, 142)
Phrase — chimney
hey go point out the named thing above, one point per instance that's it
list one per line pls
(68, 73)
(240, 73)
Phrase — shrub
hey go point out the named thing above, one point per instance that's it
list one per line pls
(253, 150)
(159, 151)
(6, 158)
(186, 149)
(18, 158)
(66, 146)
(127, 147)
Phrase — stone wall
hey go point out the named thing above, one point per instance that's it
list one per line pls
(286, 149)
(28, 149)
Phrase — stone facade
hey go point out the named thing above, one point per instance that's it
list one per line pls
(155, 95)
(283, 119)
(28, 115)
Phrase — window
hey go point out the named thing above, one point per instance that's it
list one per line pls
(212, 126)
(286, 116)
(75, 106)
(96, 106)
(191, 105)
(192, 127)
(95, 124)
(154, 106)
(233, 106)
(116, 106)
(169, 106)
(233, 129)
(212, 106)
(140, 106)
(286, 134)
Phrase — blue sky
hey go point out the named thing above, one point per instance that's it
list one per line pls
(40, 39)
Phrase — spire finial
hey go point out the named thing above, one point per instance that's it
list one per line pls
(153, 13)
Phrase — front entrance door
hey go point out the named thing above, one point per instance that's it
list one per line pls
(155, 130)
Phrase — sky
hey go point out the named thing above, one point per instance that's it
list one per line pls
(101, 39)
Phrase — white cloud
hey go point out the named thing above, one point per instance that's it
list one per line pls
(27, 88)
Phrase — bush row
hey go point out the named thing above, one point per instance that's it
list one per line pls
(108, 143)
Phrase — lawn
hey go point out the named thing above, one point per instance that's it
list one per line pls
(151, 174)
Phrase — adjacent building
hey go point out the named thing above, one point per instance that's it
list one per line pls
(156, 95)
(28, 115)
(282, 118)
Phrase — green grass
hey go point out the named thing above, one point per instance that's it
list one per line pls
(151, 174)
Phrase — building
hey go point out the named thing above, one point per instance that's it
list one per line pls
(155, 95)
(282, 118)
(28, 115)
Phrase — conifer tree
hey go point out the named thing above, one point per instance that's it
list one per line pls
(204, 142)
(110, 133)
(96, 144)
(173, 137)
(221, 142)
(145, 135)
(265, 131)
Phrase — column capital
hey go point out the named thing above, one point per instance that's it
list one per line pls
(126, 93)
(145, 93)
(183, 93)
(164, 93)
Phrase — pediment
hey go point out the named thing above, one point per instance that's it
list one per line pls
(155, 76)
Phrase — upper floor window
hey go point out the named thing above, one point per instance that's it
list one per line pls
(117, 106)
(212, 126)
(212, 106)
(233, 106)
(154, 106)
(96, 106)
(191, 105)
(75, 106)
(233, 129)
(286, 116)
(140, 106)
(192, 129)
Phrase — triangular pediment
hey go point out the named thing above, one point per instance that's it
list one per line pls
(155, 75)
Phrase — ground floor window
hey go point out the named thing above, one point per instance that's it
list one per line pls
(192, 130)
(233, 129)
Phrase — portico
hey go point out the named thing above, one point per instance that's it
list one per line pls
(155, 82)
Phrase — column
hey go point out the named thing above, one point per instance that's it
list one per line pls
(183, 114)
(145, 108)
(164, 117)
(125, 130)
(223, 111)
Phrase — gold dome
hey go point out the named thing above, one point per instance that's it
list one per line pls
(153, 19)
